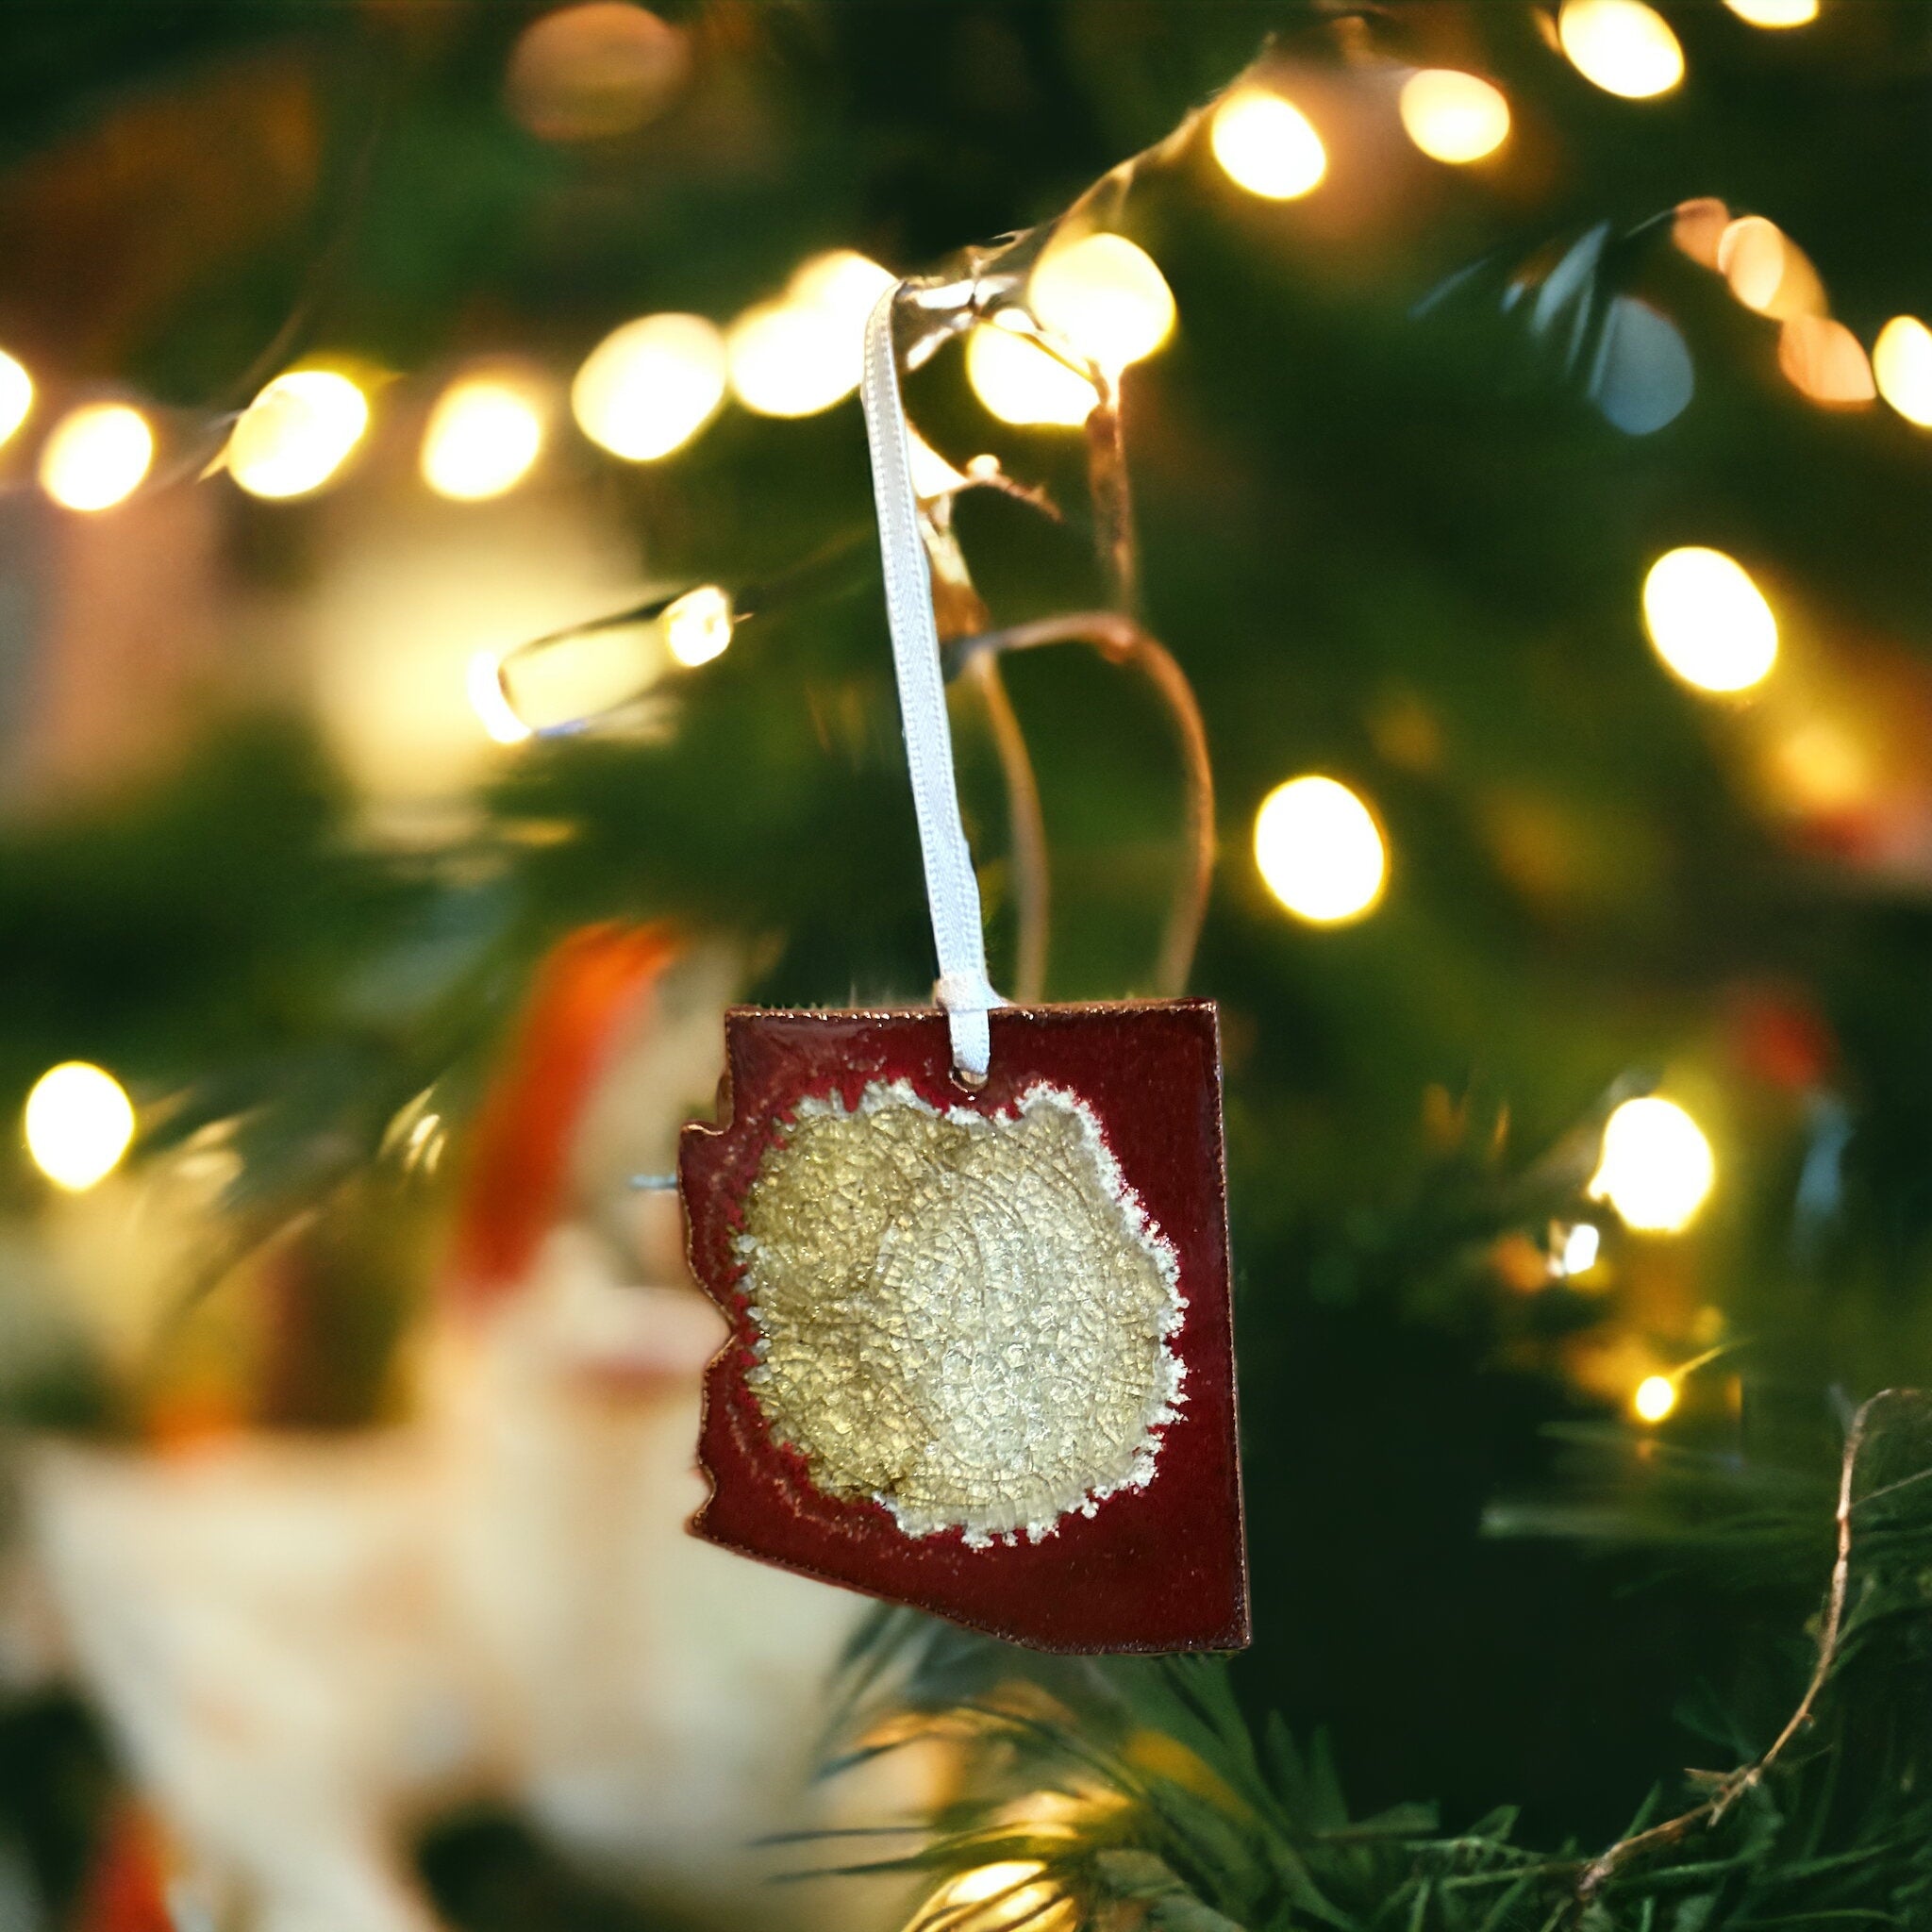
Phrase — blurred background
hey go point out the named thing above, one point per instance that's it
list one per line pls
(1526, 407)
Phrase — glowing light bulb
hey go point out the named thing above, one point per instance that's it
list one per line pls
(16, 394)
(1012, 1894)
(788, 359)
(96, 456)
(801, 355)
(1267, 146)
(1657, 1169)
(80, 1121)
(697, 626)
(1106, 297)
(649, 387)
(297, 433)
(1775, 13)
(1708, 621)
(1751, 257)
(481, 439)
(843, 283)
(1021, 382)
(1901, 363)
(483, 682)
(1621, 46)
(1580, 1248)
(1653, 1398)
(1825, 360)
(1452, 116)
(1320, 851)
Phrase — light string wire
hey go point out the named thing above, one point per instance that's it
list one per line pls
(951, 887)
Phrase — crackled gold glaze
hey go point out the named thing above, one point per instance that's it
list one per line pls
(966, 1318)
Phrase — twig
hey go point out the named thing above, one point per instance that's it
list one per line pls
(1735, 1784)
(1025, 830)
(1117, 638)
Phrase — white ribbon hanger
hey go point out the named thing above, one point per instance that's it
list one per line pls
(951, 888)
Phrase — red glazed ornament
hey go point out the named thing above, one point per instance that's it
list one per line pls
(981, 1358)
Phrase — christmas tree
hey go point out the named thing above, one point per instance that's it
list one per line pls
(1423, 500)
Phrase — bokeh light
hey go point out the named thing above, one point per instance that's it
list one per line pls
(1621, 46)
(698, 628)
(16, 394)
(96, 456)
(1106, 297)
(1021, 382)
(483, 682)
(297, 433)
(596, 69)
(1824, 361)
(1267, 146)
(804, 353)
(1580, 1249)
(1653, 1398)
(1775, 13)
(1767, 271)
(1452, 116)
(481, 439)
(1320, 850)
(1657, 1169)
(1709, 621)
(1902, 366)
(1010, 1894)
(843, 283)
(79, 1123)
(788, 359)
(649, 387)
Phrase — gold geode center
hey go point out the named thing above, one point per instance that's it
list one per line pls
(965, 1317)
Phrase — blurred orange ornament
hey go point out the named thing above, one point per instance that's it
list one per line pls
(594, 981)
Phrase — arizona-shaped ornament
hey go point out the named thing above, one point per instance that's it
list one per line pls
(981, 1360)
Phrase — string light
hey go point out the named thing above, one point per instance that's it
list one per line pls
(1320, 851)
(804, 353)
(1021, 382)
(297, 433)
(483, 682)
(1775, 13)
(1825, 360)
(1580, 1248)
(1901, 365)
(1751, 257)
(697, 626)
(1267, 146)
(1009, 1893)
(1709, 621)
(1657, 1169)
(1452, 116)
(16, 394)
(1653, 1398)
(96, 456)
(1106, 297)
(481, 439)
(788, 359)
(649, 387)
(1621, 46)
(80, 1121)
